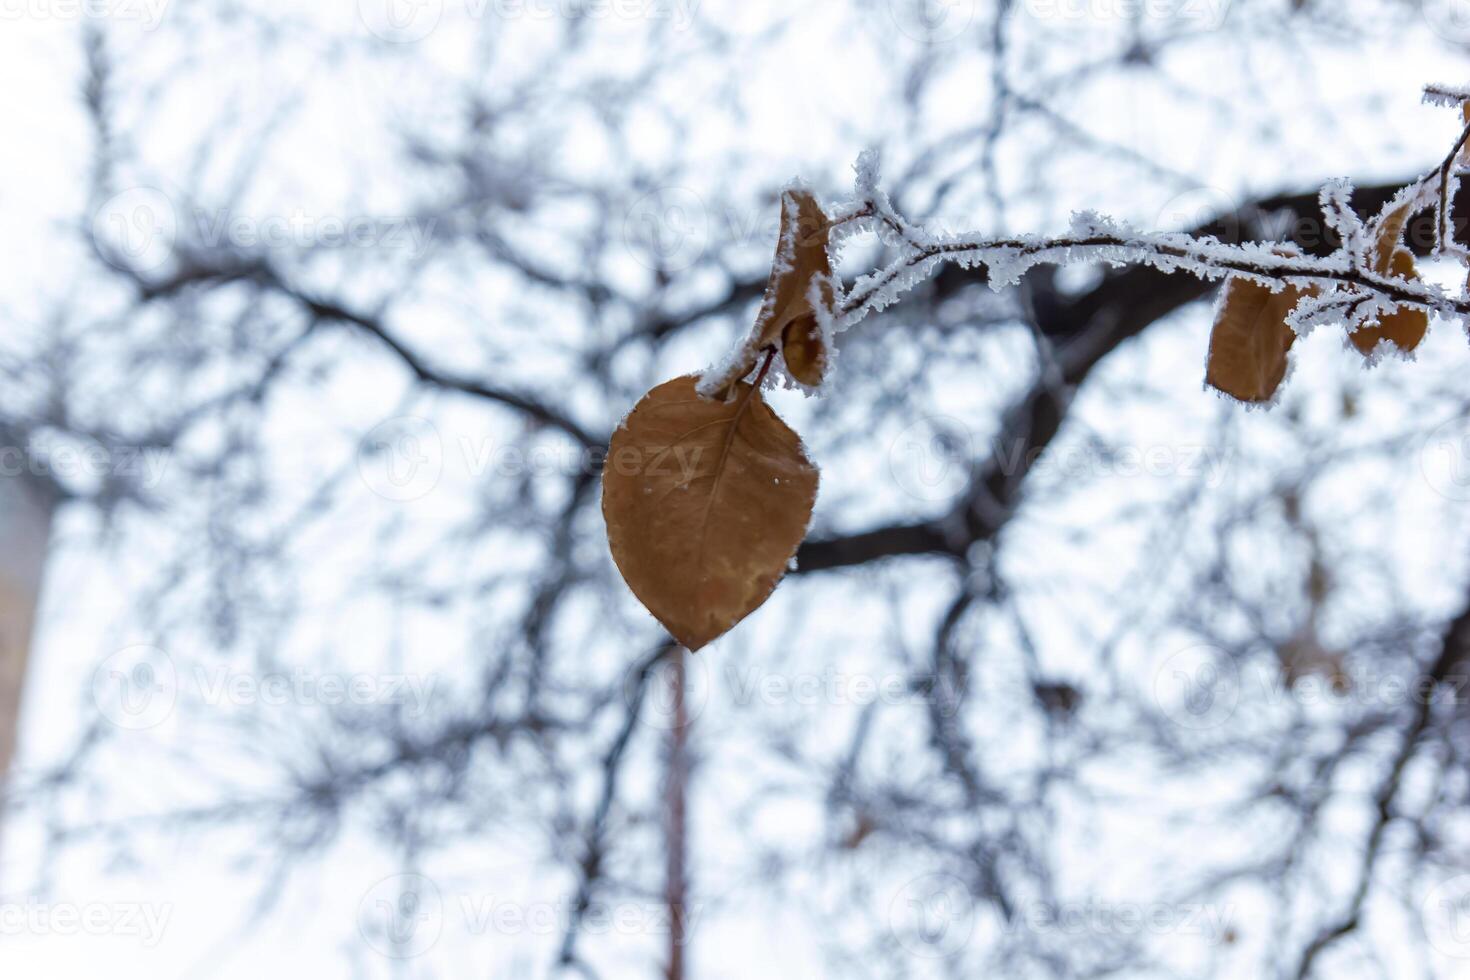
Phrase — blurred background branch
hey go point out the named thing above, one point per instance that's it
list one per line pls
(320, 321)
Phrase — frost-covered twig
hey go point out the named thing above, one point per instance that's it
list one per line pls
(1355, 279)
(1368, 282)
(1006, 259)
(1096, 239)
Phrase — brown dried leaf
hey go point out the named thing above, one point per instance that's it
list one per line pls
(1403, 328)
(805, 353)
(706, 502)
(1406, 327)
(801, 256)
(1465, 121)
(1250, 339)
(1388, 229)
(803, 346)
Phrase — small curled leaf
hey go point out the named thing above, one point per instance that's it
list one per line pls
(706, 501)
(787, 316)
(804, 351)
(1403, 328)
(803, 345)
(1388, 231)
(801, 256)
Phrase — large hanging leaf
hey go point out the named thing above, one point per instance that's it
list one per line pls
(706, 501)
(1250, 339)
(787, 320)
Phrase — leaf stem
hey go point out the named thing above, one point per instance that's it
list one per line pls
(765, 366)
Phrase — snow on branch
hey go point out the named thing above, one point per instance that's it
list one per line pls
(1368, 283)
